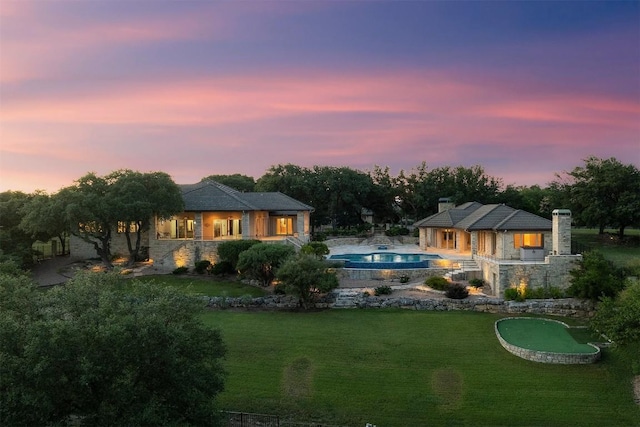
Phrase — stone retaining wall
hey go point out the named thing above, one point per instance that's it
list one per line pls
(548, 357)
(559, 307)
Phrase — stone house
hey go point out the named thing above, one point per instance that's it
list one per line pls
(214, 213)
(509, 247)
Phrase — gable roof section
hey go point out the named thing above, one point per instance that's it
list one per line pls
(486, 217)
(523, 220)
(449, 217)
(213, 196)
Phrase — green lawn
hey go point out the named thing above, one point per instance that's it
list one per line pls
(408, 368)
(204, 285)
(624, 255)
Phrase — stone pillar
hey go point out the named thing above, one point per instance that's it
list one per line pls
(561, 232)
(197, 226)
(247, 226)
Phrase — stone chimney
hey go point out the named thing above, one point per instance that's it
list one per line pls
(561, 231)
(444, 204)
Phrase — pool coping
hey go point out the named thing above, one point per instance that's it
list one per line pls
(547, 356)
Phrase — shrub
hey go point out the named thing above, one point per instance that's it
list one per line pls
(404, 278)
(319, 237)
(595, 277)
(202, 266)
(383, 290)
(180, 270)
(317, 249)
(512, 294)
(230, 251)
(397, 231)
(438, 283)
(456, 291)
(476, 283)
(221, 268)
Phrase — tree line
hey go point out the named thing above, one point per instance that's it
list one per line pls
(602, 193)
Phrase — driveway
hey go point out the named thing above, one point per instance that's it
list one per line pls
(54, 271)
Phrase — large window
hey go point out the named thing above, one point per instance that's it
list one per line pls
(122, 226)
(227, 228)
(535, 240)
(175, 227)
(487, 243)
(284, 226)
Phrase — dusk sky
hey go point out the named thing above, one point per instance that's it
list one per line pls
(195, 88)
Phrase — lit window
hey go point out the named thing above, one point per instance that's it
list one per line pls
(535, 240)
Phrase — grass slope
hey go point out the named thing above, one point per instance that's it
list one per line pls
(625, 254)
(399, 368)
(204, 285)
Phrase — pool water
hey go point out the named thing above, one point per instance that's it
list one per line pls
(385, 260)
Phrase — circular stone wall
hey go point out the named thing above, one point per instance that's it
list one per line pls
(546, 356)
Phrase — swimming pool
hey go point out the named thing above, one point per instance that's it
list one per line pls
(385, 260)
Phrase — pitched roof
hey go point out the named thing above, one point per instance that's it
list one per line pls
(474, 216)
(449, 217)
(213, 196)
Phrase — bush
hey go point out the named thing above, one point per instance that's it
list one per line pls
(180, 270)
(202, 266)
(397, 231)
(221, 268)
(383, 290)
(539, 293)
(317, 249)
(456, 291)
(596, 277)
(512, 294)
(319, 237)
(438, 283)
(404, 278)
(476, 283)
(230, 251)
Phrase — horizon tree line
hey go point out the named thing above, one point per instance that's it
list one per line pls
(602, 193)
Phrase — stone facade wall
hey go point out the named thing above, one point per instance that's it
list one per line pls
(554, 271)
(182, 253)
(375, 240)
(548, 357)
(81, 249)
(395, 274)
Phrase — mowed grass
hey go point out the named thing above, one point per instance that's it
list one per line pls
(408, 368)
(623, 255)
(203, 285)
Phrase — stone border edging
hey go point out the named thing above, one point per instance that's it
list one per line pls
(547, 356)
(561, 307)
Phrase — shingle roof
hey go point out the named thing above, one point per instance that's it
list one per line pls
(213, 196)
(449, 217)
(474, 216)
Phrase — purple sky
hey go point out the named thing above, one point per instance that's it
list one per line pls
(196, 88)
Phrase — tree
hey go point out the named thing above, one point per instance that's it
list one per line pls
(605, 192)
(317, 249)
(91, 213)
(619, 319)
(260, 262)
(102, 351)
(15, 243)
(306, 276)
(384, 200)
(44, 218)
(139, 197)
(595, 278)
(243, 183)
